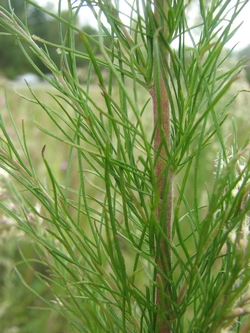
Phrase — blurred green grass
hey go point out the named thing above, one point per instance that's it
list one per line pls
(20, 310)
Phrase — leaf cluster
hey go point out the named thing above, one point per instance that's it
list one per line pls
(102, 245)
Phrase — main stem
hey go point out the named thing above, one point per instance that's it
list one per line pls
(161, 111)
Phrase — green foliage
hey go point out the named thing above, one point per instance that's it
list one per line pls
(101, 236)
(246, 53)
(41, 24)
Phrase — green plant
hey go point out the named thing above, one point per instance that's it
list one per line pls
(126, 252)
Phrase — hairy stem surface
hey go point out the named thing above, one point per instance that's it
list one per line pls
(161, 111)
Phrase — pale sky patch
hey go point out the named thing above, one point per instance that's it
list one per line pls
(241, 37)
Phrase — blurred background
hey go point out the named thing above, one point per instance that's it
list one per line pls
(20, 310)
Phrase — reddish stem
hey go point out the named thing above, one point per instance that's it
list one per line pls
(161, 111)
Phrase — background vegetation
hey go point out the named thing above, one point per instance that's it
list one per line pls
(21, 310)
(12, 61)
